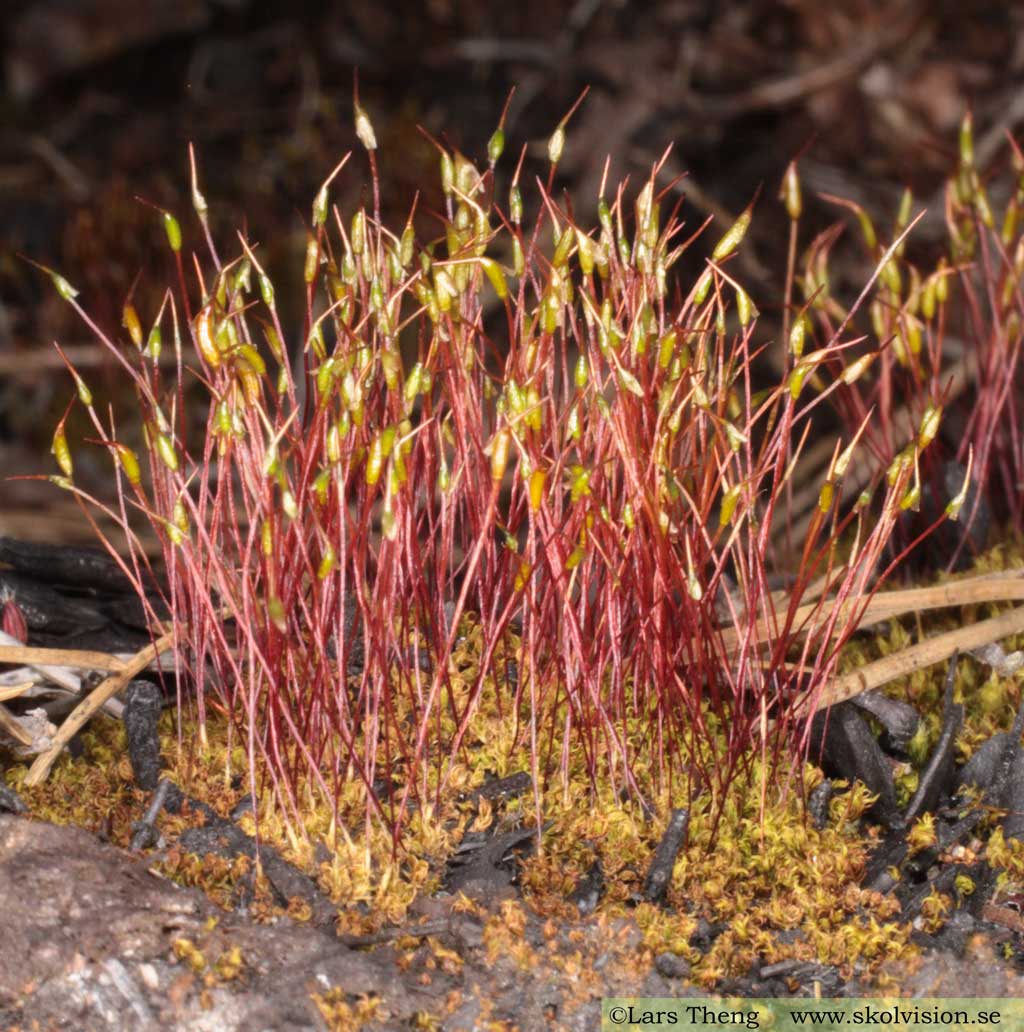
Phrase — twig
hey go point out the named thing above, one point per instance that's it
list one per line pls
(9, 725)
(61, 657)
(87, 707)
(917, 657)
(14, 690)
(887, 605)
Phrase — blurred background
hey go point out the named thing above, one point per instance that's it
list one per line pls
(101, 98)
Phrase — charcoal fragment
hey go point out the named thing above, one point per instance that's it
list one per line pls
(937, 774)
(10, 801)
(1013, 825)
(143, 702)
(664, 860)
(243, 806)
(587, 893)
(817, 805)
(840, 736)
(144, 832)
(64, 564)
(48, 610)
(980, 770)
(899, 719)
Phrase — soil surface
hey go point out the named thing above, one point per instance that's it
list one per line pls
(92, 940)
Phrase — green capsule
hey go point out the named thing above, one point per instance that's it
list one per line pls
(495, 145)
(173, 230)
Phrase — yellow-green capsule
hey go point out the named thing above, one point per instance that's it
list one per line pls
(731, 240)
(518, 259)
(447, 174)
(60, 450)
(585, 252)
(130, 321)
(797, 335)
(375, 460)
(744, 308)
(320, 206)
(912, 499)
(929, 425)
(853, 372)
(537, 481)
(839, 469)
(957, 502)
(666, 348)
(499, 454)
(496, 276)
(580, 486)
(205, 341)
(563, 248)
(321, 485)
(181, 520)
(154, 343)
(326, 562)
(174, 533)
(967, 140)
(333, 444)
(790, 193)
(364, 127)
(173, 229)
(735, 437)
(275, 610)
(406, 245)
(165, 449)
(358, 232)
(252, 358)
(796, 379)
(84, 394)
(928, 296)
(312, 260)
(942, 283)
(556, 145)
(630, 382)
(324, 377)
(729, 502)
(495, 145)
(129, 462)
(515, 205)
(867, 229)
(826, 496)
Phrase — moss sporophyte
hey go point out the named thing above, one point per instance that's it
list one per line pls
(514, 498)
